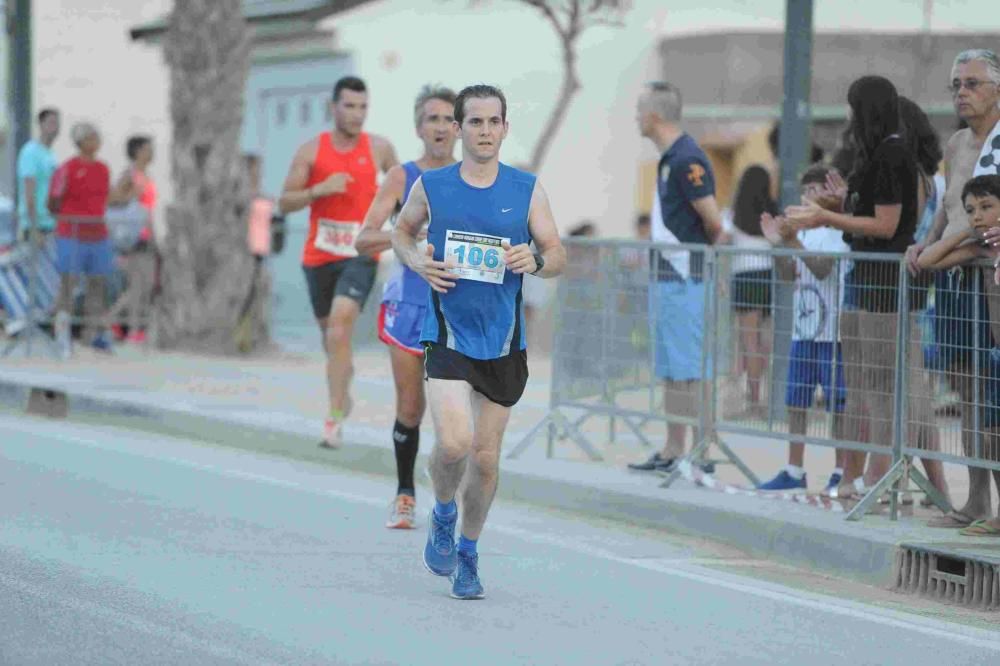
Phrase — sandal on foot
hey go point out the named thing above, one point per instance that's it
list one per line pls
(981, 528)
(953, 520)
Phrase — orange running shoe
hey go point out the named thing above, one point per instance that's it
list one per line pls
(401, 513)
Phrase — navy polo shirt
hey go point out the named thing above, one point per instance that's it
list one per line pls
(684, 174)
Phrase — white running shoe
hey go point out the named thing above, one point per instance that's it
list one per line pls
(331, 434)
(333, 429)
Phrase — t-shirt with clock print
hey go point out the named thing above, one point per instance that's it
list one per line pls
(817, 302)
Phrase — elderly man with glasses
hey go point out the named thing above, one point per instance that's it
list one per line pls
(975, 88)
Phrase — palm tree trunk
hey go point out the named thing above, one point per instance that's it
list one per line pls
(207, 270)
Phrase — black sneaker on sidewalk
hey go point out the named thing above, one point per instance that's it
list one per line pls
(656, 463)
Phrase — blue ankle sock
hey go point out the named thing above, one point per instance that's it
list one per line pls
(467, 546)
(445, 510)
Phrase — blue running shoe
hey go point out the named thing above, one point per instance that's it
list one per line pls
(784, 483)
(440, 553)
(102, 342)
(832, 485)
(465, 583)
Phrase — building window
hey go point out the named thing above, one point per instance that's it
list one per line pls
(281, 113)
(305, 111)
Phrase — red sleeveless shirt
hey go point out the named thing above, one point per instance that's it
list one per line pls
(334, 221)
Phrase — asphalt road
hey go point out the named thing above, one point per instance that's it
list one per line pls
(120, 547)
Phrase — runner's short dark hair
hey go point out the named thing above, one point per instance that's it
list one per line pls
(348, 83)
(479, 91)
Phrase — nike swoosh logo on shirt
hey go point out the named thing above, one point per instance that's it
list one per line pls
(506, 210)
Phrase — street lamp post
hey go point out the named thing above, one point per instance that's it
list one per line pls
(795, 144)
(794, 148)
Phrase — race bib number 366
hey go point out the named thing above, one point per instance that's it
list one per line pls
(336, 237)
(477, 257)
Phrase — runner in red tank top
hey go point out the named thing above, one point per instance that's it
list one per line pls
(334, 174)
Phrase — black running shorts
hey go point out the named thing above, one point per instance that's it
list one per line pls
(501, 380)
(352, 278)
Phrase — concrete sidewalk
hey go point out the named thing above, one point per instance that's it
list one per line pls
(274, 405)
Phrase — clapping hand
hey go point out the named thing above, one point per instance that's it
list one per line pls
(807, 215)
(833, 193)
(776, 230)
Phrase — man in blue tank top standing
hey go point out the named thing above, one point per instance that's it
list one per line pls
(405, 297)
(482, 216)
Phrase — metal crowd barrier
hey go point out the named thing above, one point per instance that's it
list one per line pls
(605, 351)
(45, 274)
(765, 350)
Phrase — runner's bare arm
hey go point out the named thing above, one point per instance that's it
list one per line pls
(385, 153)
(409, 224)
(545, 234)
(372, 238)
(711, 218)
(295, 195)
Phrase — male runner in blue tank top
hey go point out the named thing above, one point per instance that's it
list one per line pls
(404, 299)
(482, 215)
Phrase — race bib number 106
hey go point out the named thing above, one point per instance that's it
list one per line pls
(477, 257)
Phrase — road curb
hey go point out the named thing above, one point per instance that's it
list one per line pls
(796, 535)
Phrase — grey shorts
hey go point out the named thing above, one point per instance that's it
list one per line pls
(353, 278)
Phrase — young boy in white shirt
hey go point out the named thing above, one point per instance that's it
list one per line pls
(815, 356)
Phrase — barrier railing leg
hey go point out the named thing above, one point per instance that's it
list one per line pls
(891, 478)
(698, 452)
(932, 493)
(737, 461)
(550, 440)
(636, 430)
(559, 421)
(526, 441)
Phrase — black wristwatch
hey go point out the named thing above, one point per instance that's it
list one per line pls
(539, 263)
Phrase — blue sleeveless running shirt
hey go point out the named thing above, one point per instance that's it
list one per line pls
(405, 286)
(481, 316)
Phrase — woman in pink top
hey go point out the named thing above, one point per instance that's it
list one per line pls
(140, 262)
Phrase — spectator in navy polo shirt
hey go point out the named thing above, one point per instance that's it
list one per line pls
(686, 213)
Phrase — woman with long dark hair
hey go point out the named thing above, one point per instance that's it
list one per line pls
(752, 274)
(879, 215)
